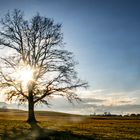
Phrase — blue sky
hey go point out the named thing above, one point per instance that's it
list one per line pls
(104, 35)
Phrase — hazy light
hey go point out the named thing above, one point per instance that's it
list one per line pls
(25, 75)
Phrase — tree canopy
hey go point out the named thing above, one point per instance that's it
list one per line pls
(39, 66)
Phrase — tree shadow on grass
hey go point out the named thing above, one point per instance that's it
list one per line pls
(38, 133)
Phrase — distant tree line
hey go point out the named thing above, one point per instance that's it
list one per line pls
(108, 114)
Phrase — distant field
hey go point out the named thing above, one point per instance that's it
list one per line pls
(68, 127)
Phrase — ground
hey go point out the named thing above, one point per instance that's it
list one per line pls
(61, 126)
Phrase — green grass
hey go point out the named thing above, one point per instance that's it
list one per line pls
(61, 126)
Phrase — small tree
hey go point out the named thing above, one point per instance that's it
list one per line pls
(39, 67)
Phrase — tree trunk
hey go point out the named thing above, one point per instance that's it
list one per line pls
(31, 114)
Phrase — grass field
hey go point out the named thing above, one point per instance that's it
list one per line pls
(61, 126)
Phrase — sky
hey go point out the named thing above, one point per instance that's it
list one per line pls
(104, 36)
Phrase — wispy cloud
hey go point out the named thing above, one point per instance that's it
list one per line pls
(99, 101)
(92, 100)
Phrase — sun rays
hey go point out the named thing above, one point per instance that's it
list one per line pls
(25, 75)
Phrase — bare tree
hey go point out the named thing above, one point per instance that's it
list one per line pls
(38, 47)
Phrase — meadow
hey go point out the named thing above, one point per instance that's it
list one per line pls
(61, 126)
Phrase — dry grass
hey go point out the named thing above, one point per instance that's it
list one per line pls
(13, 126)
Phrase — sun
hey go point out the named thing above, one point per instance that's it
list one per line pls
(25, 75)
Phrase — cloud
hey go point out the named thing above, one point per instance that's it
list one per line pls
(125, 102)
(92, 100)
(122, 109)
(99, 101)
(116, 109)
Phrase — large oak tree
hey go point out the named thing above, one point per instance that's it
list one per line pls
(39, 66)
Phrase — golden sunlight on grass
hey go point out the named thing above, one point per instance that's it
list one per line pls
(63, 126)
